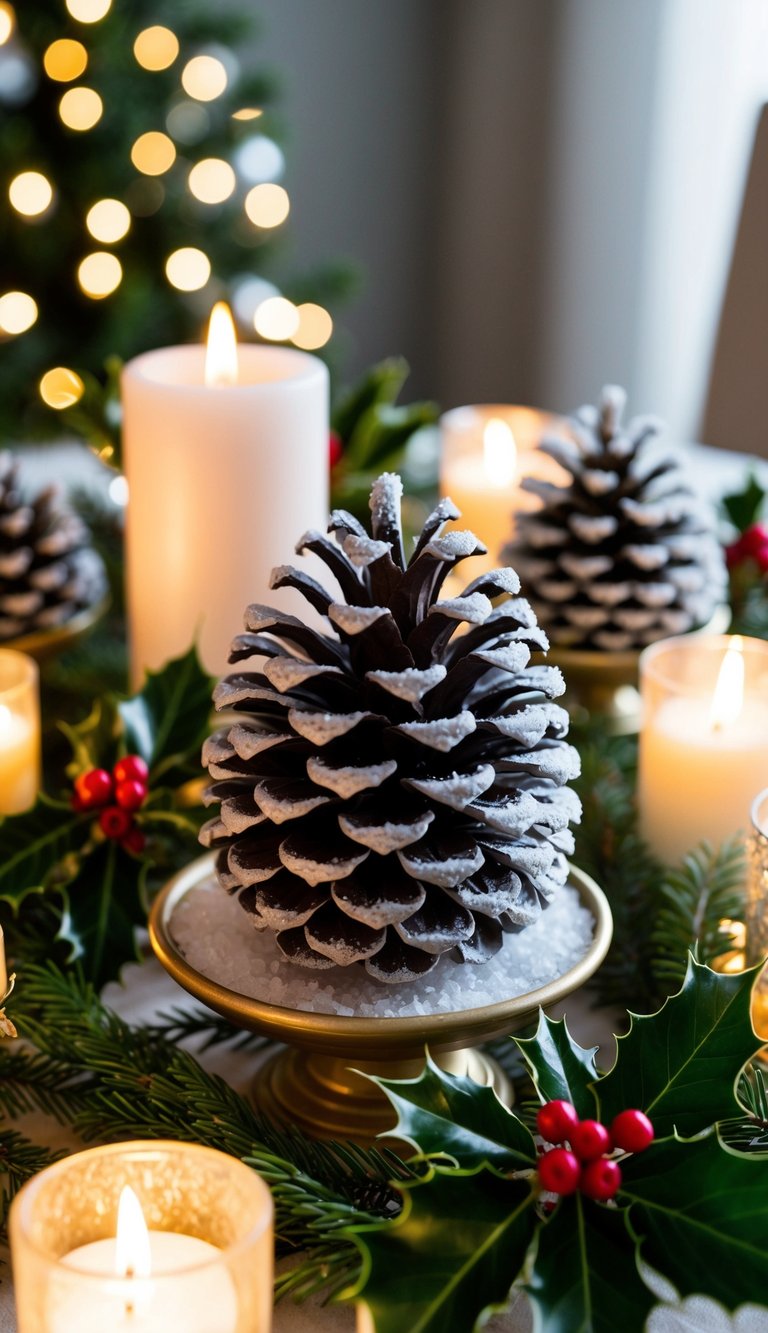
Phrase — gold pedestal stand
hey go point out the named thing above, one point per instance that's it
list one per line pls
(45, 643)
(317, 1084)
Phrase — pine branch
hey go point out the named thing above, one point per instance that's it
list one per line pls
(19, 1160)
(207, 1028)
(609, 848)
(693, 899)
(31, 1081)
(121, 1082)
(749, 1134)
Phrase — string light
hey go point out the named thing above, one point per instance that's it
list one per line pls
(156, 48)
(204, 78)
(30, 193)
(276, 319)
(260, 159)
(89, 11)
(7, 22)
(108, 221)
(99, 274)
(247, 113)
(81, 108)
(61, 387)
(188, 269)
(267, 205)
(18, 312)
(212, 180)
(65, 60)
(153, 153)
(315, 327)
(188, 122)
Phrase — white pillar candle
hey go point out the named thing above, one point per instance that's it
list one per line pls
(486, 452)
(223, 478)
(703, 741)
(19, 732)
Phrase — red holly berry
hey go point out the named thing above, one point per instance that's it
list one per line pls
(632, 1131)
(115, 822)
(589, 1139)
(131, 768)
(335, 448)
(130, 794)
(751, 545)
(559, 1171)
(134, 841)
(555, 1120)
(601, 1179)
(94, 787)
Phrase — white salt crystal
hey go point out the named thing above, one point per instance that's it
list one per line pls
(215, 935)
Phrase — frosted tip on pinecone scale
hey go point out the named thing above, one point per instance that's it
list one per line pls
(395, 788)
(48, 570)
(623, 554)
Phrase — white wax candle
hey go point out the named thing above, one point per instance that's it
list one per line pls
(19, 748)
(222, 482)
(194, 1295)
(483, 473)
(696, 779)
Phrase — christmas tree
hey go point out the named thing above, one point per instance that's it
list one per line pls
(141, 182)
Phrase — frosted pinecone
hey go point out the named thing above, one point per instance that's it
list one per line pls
(626, 553)
(395, 789)
(48, 571)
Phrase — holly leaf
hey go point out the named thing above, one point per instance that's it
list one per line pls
(744, 507)
(102, 906)
(33, 845)
(453, 1252)
(700, 1214)
(456, 1117)
(681, 1064)
(168, 718)
(585, 1277)
(559, 1066)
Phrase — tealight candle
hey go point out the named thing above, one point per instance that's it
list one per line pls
(486, 453)
(19, 732)
(145, 1237)
(703, 741)
(226, 459)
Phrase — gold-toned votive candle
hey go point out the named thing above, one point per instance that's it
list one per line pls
(144, 1237)
(757, 908)
(19, 732)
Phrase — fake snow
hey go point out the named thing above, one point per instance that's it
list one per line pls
(217, 938)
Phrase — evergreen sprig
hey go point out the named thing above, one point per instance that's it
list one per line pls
(659, 913)
(110, 1081)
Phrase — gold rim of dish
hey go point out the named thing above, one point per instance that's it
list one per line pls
(45, 643)
(340, 1034)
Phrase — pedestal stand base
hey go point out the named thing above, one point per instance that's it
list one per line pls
(326, 1097)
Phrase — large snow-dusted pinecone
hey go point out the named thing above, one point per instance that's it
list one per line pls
(48, 571)
(395, 789)
(625, 553)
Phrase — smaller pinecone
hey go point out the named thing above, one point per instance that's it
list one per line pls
(625, 553)
(48, 570)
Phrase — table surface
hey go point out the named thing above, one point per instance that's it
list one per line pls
(147, 990)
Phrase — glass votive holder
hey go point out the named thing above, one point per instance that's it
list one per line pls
(19, 732)
(757, 908)
(703, 739)
(206, 1265)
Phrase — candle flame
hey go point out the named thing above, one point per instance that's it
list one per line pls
(221, 349)
(132, 1251)
(499, 453)
(728, 698)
